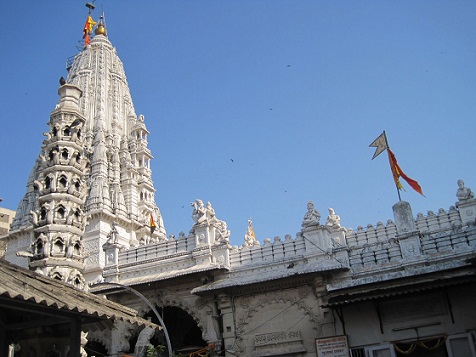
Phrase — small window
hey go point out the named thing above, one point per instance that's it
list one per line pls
(64, 154)
(57, 276)
(61, 212)
(43, 213)
(39, 247)
(63, 182)
(58, 246)
(77, 249)
(381, 351)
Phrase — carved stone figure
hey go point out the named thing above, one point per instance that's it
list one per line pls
(463, 193)
(333, 220)
(199, 213)
(49, 212)
(222, 233)
(113, 234)
(34, 218)
(143, 341)
(70, 216)
(38, 184)
(210, 212)
(250, 238)
(312, 216)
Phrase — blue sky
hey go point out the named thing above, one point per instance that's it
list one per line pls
(261, 106)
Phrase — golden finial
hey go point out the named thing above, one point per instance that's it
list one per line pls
(101, 28)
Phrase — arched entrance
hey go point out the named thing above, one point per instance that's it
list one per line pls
(184, 333)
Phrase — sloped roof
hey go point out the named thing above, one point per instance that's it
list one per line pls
(247, 277)
(25, 286)
(170, 274)
(398, 288)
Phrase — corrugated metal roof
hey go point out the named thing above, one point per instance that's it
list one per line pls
(23, 285)
(248, 277)
(344, 298)
(170, 274)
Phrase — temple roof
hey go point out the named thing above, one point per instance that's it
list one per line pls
(19, 285)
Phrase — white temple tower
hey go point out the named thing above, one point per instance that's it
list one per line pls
(116, 194)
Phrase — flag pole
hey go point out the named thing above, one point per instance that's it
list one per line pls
(388, 147)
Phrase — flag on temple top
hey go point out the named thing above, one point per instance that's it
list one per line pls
(152, 224)
(88, 27)
(380, 144)
(397, 173)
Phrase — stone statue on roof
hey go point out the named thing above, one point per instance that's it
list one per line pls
(250, 238)
(463, 193)
(312, 216)
(199, 213)
(333, 220)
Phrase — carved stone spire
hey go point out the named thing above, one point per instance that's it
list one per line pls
(58, 181)
(117, 184)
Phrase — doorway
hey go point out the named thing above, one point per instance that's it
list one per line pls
(183, 331)
(435, 347)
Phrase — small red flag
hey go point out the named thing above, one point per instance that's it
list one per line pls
(397, 173)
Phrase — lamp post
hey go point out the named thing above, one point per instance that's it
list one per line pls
(149, 304)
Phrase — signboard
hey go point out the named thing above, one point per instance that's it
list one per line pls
(336, 346)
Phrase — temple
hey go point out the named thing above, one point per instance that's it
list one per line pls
(402, 288)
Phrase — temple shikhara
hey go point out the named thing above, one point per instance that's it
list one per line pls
(89, 218)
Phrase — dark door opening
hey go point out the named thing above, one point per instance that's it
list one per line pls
(183, 331)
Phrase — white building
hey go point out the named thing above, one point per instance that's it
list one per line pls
(393, 289)
(6, 218)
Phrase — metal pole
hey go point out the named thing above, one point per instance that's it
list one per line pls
(388, 147)
(149, 304)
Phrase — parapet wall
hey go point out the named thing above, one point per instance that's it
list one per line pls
(363, 250)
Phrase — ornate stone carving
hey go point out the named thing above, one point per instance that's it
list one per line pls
(333, 220)
(143, 341)
(312, 216)
(222, 233)
(113, 235)
(199, 214)
(463, 193)
(250, 238)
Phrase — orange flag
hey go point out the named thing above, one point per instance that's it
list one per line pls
(152, 224)
(88, 27)
(397, 173)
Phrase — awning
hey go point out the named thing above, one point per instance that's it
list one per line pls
(170, 274)
(244, 277)
(25, 288)
(396, 288)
